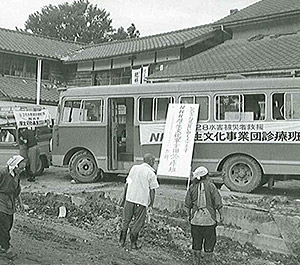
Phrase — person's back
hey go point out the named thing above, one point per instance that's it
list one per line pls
(139, 193)
(139, 184)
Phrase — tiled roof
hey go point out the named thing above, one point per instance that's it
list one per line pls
(130, 46)
(260, 53)
(29, 44)
(261, 9)
(18, 88)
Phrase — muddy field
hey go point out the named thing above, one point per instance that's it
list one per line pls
(88, 234)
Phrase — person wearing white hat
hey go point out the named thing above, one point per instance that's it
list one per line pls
(203, 200)
(10, 190)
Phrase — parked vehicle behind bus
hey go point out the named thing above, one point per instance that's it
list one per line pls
(9, 139)
(248, 129)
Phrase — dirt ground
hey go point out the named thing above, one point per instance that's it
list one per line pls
(88, 234)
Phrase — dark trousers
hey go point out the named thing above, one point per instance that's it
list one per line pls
(33, 158)
(134, 216)
(6, 222)
(204, 235)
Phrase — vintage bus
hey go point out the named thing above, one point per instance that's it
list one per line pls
(9, 135)
(247, 129)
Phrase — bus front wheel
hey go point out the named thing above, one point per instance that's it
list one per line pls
(242, 173)
(83, 167)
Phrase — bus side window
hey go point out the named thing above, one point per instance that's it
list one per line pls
(154, 109)
(7, 135)
(278, 106)
(161, 108)
(254, 106)
(203, 102)
(71, 111)
(145, 109)
(228, 107)
(92, 110)
(292, 106)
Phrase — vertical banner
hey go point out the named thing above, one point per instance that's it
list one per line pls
(178, 141)
(136, 76)
(145, 73)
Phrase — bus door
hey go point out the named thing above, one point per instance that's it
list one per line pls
(121, 132)
(112, 134)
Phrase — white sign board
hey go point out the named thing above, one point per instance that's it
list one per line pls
(178, 142)
(145, 74)
(32, 118)
(136, 76)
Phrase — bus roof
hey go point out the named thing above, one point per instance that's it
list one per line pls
(191, 86)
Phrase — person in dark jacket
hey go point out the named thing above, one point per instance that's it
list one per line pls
(10, 190)
(30, 150)
(203, 200)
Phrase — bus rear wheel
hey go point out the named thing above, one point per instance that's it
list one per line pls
(242, 173)
(83, 167)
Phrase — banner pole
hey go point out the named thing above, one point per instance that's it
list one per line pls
(188, 183)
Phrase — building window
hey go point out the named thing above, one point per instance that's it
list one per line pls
(112, 77)
(16, 66)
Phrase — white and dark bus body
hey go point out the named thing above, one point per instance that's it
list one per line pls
(249, 129)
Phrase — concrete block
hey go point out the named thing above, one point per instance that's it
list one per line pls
(260, 241)
(256, 221)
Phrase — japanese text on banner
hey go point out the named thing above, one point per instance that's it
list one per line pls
(32, 118)
(178, 142)
(267, 132)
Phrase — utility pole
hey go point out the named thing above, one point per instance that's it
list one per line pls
(38, 83)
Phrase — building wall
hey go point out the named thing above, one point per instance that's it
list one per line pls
(117, 70)
(83, 78)
(24, 66)
(69, 74)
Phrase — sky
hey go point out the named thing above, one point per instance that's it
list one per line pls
(149, 16)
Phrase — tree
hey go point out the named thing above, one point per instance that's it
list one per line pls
(133, 32)
(121, 34)
(80, 21)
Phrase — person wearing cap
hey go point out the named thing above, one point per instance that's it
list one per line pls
(139, 194)
(10, 190)
(203, 200)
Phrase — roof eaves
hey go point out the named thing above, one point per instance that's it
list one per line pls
(221, 74)
(37, 36)
(255, 19)
(69, 61)
(201, 38)
(30, 54)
